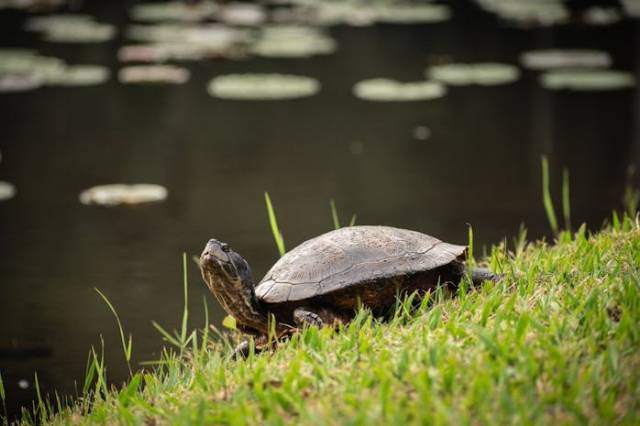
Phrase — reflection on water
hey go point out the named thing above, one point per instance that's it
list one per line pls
(471, 156)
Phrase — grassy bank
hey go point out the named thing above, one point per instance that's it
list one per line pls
(556, 341)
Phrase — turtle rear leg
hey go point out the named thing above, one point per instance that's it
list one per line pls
(306, 316)
(303, 316)
(480, 275)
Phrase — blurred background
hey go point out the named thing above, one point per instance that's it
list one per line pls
(421, 115)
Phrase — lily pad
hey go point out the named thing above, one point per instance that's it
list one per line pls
(19, 82)
(327, 13)
(71, 29)
(412, 13)
(527, 12)
(601, 15)
(79, 75)
(213, 36)
(382, 89)
(631, 7)
(243, 14)
(483, 74)
(564, 58)
(174, 11)
(262, 86)
(292, 42)
(24, 70)
(587, 79)
(122, 194)
(153, 74)
(7, 191)
(30, 4)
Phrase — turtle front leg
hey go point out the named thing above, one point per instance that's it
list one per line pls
(261, 343)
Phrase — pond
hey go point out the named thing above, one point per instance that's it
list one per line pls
(470, 156)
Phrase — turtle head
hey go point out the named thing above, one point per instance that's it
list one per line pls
(229, 278)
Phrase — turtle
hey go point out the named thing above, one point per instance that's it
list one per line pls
(324, 280)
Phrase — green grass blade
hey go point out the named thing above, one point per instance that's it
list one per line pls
(166, 335)
(353, 219)
(41, 405)
(546, 197)
(126, 347)
(470, 259)
(566, 202)
(2, 394)
(277, 235)
(205, 330)
(185, 311)
(334, 214)
(3, 398)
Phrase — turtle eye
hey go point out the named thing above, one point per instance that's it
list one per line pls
(224, 247)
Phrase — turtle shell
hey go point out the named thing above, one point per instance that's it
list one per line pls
(350, 257)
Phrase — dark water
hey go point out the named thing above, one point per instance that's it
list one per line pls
(479, 166)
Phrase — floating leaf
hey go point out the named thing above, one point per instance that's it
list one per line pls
(528, 13)
(409, 13)
(19, 82)
(117, 194)
(382, 89)
(153, 74)
(70, 28)
(174, 11)
(564, 58)
(7, 191)
(292, 42)
(601, 15)
(242, 13)
(79, 75)
(262, 86)
(214, 37)
(586, 79)
(484, 74)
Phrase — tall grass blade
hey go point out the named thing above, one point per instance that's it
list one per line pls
(334, 214)
(89, 374)
(353, 219)
(546, 196)
(41, 406)
(126, 346)
(205, 331)
(631, 197)
(277, 235)
(3, 397)
(168, 337)
(566, 203)
(185, 312)
(470, 259)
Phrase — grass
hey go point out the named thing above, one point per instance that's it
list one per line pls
(555, 342)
